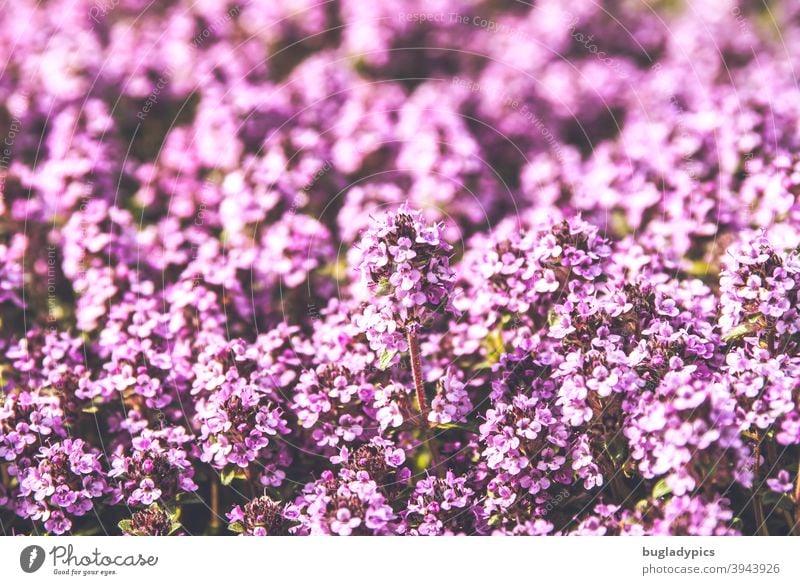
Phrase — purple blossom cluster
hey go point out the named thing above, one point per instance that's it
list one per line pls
(152, 472)
(61, 483)
(296, 268)
(405, 266)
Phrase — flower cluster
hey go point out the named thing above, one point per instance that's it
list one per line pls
(343, 504)
(440, 506)
(236, 424)
(150, 470)
(259, 517)
(150, 522)
(306, 269)
(65, 482)
(405, 264)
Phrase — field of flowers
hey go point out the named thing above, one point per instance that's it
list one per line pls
(399, 267)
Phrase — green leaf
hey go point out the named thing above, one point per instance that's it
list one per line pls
(699, 268)
(175, 516)
(384, 288)
(126, 526)
(236, 527)
(386, 359)
(335, 270)
(661, 489)
(457, 426)
(423, 459)
(226, 476)
(484, 365)
(189, 498)
(619, 223)
(739, 331)
(494, 344)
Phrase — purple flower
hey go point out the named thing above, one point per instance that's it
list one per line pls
(154, 467)
(62, 486)
(782, 483)
(150, 522)
(259, 517)
(146, 493)
(406, 266)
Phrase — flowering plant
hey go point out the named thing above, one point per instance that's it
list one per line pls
(313, 269)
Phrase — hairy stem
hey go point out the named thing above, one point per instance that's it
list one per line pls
(416, 371)
(215, 521)
(419, 387)
(758, 509)
(249, 476)
(618, 489)
(796, 527)
(771, 339)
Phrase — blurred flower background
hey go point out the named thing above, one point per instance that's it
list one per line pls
(401, 267)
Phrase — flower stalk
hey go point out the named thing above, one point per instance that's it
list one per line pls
(416, 372)
(796, 527)
(422, 403)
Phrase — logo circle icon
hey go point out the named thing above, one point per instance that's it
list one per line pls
(31, 558)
